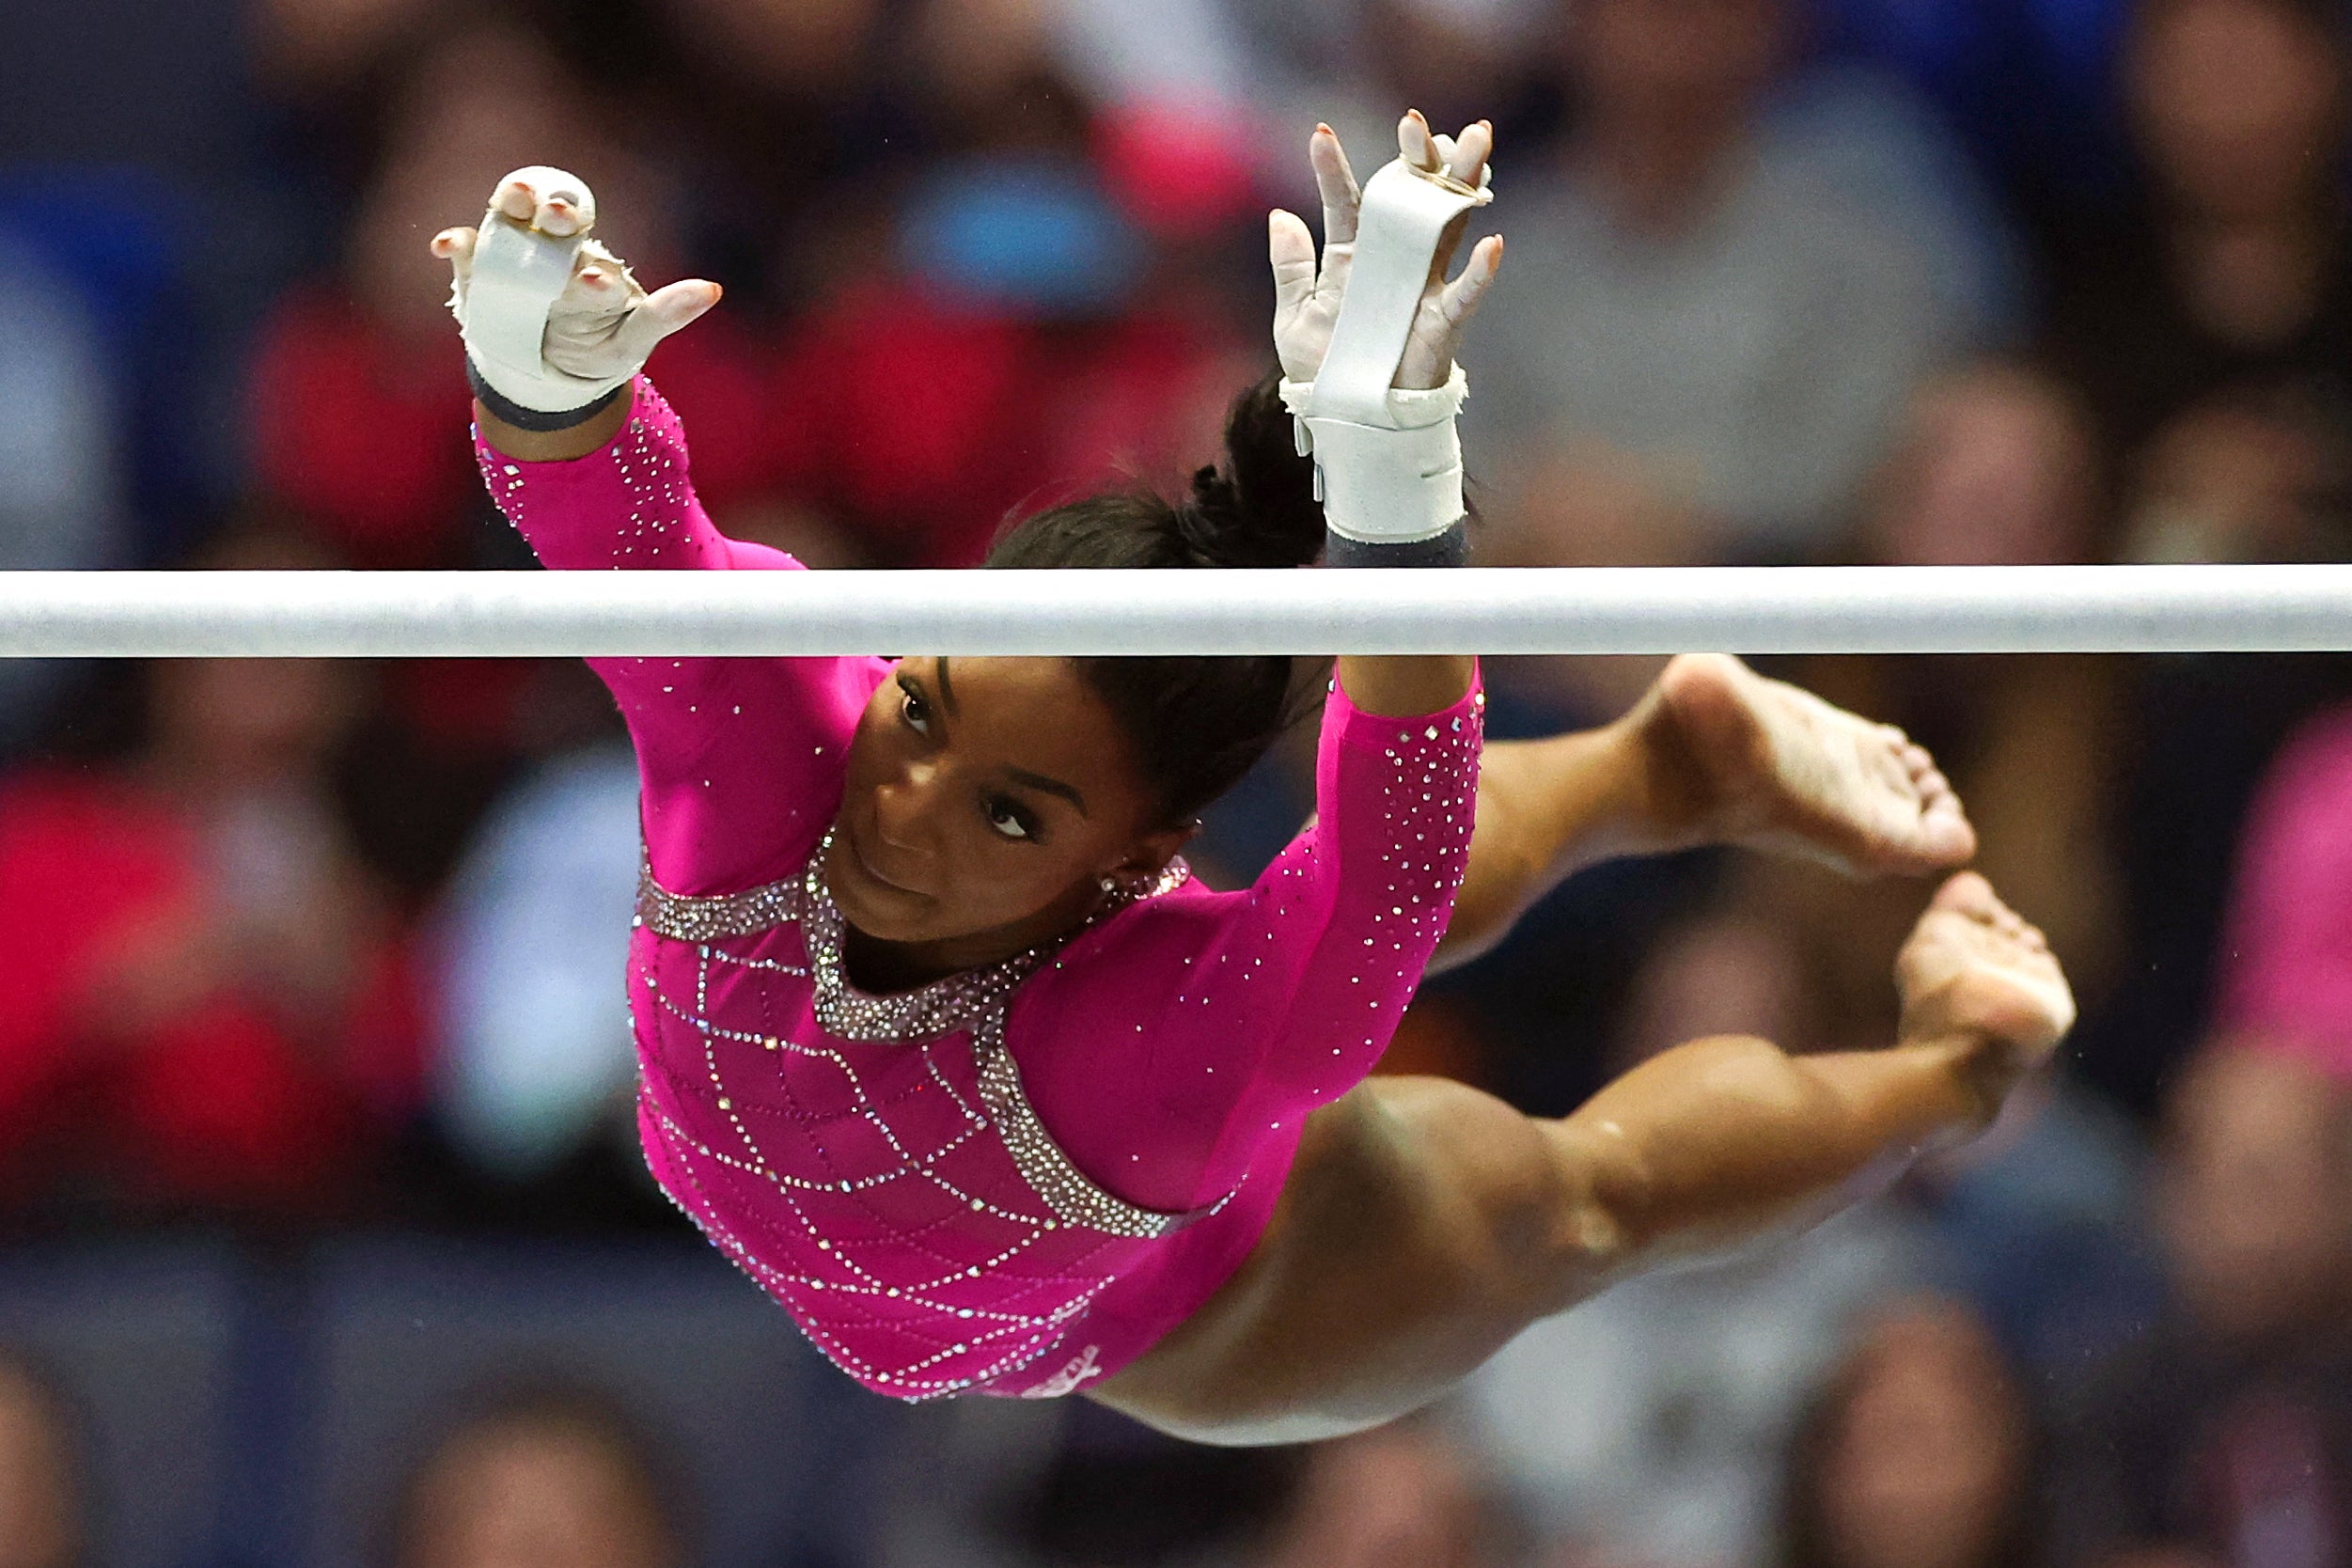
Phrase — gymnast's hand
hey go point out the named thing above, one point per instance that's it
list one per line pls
(604, 325)
(1307, 300)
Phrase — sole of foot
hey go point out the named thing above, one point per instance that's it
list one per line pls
(1770, 766)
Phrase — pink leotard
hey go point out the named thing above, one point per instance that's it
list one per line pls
(1015, 1179)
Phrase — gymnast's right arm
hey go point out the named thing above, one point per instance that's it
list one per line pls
(557, 329)
(738, 757)
(574, 441)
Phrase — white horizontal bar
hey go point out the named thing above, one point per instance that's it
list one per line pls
(2126, 609)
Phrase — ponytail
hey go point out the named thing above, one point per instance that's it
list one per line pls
(1195, 724)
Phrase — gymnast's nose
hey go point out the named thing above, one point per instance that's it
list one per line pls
(907, 808)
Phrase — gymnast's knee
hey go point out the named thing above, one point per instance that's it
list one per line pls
(1504, 1195)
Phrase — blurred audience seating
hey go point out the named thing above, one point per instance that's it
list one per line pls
(142, 1343)
(226, 1405)
(774, 1453)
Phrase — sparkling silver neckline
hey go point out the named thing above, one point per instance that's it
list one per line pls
(963, 1000)
(973, 1001)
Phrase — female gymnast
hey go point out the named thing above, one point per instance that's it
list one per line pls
(943, 1046)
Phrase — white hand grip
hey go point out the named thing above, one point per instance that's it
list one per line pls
(1388, 463)
(518, 275)
(1403, 215)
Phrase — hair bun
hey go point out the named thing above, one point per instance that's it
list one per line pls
(1259, 508)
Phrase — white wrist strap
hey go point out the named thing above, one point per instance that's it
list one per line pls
(1394, 483)
(518, 274)
(1388, 463)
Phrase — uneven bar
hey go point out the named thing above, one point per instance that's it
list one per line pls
(2119, 609)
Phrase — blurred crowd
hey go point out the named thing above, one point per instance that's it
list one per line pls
(308, 950)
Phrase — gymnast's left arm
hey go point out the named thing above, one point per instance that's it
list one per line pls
(1388, 467)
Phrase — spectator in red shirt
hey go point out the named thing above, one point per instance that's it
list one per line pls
(357, 411)
(208, 1003)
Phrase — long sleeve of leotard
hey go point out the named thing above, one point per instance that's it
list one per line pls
(1169, 1049)
(740, 761)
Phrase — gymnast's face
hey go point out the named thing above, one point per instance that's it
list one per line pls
(987, 799)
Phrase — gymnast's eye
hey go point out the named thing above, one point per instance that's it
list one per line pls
(1007, 817)
(912, 709)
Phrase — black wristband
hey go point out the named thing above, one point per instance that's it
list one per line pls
(1450, 548)
(537, 420)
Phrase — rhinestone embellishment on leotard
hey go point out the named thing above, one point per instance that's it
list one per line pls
(712, 919)
(975, 999)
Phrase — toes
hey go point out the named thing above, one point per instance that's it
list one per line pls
(1971, 897)
(1968, 894)
(1945, 832)
(1946, 835)
(1706, 668)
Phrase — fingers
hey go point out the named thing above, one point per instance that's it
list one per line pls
(1470, 152)
(514, 199)
(600, 278)
(1336, 182)
(1460, 300)
(1290, 249)
(456, 247)
(1464, 157)
(663, 312)
(546, 199)
(1417, 144)
(556, 215)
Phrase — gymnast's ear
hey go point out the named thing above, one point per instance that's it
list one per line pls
(1148, 856)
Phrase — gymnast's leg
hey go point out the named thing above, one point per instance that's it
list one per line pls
(1425, 1224)
(1714, 754)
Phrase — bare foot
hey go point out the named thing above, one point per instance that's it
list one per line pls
(1975, 975)
(1733, 758)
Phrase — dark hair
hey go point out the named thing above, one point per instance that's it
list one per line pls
(1804, 1540)
(1194, 725)
(62, 1410)
(543, 1405)
(2329, 16)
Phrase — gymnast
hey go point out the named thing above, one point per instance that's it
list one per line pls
(941, 1044)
